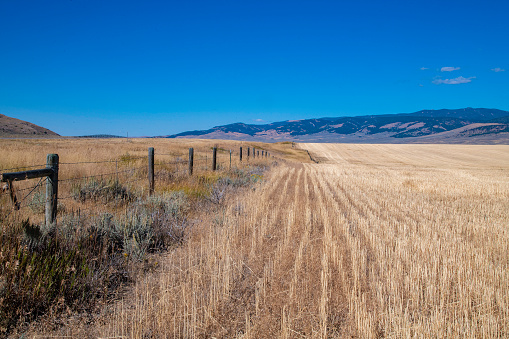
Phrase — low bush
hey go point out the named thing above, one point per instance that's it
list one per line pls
(41, 270)
(101, 191)
(82, 260)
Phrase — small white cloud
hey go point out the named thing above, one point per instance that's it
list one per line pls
(449, 69)
(498, 69)
(424, 68)
(258, 120)
(455, 81)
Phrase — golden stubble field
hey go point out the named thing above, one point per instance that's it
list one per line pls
(373, 241)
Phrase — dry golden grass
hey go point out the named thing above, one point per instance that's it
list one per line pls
(375, 241)
(128, 158)
(26, 152)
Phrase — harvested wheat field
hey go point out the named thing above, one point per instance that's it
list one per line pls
(372, 241)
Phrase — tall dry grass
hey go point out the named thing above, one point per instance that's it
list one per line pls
(375, 241)
(107, 228)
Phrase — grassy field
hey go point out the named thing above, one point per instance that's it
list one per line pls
(372, 241)
(127, 161)
(108, 228)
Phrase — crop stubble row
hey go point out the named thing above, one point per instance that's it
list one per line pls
(363, 244)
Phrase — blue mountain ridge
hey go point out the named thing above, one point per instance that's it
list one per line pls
(398, 126)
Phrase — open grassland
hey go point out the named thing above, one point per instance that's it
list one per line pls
(374, 241)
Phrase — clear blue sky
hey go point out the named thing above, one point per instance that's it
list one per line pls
(162, 67)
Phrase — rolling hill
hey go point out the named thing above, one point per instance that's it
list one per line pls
(466, 125)
(11, 127)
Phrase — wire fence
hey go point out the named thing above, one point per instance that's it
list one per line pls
(120, 177)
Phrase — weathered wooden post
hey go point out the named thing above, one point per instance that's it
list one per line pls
(191, 160)
(214, 158)
(151, 170)
(240, 154)
(254, 152)
(248, 149)
(52, 189)
(230, 159)
(257, 153)
(262, 154)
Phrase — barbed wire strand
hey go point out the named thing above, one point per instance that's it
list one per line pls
(103, 174)
(104, 161)
(20, 205)
(86, 162)
(171, 155)
(26, 188)
(43, 179)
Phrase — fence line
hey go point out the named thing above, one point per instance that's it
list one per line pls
(221, 159)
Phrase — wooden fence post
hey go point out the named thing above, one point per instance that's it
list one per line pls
(257, 153)
(248, 151)
(230, 159)
(262, 154)
(254, 152)
(191, 160)
(214, 158)
(151, 170)
(52, 189)
(240, 154)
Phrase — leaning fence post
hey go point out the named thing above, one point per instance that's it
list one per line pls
(52, 189)
(191, 160)
(151, 170)
(214, 158)
(240, 154)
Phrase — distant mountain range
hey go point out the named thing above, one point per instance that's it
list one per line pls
(466, 125)
(11, 127)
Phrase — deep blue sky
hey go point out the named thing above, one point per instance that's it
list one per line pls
(155, 67)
